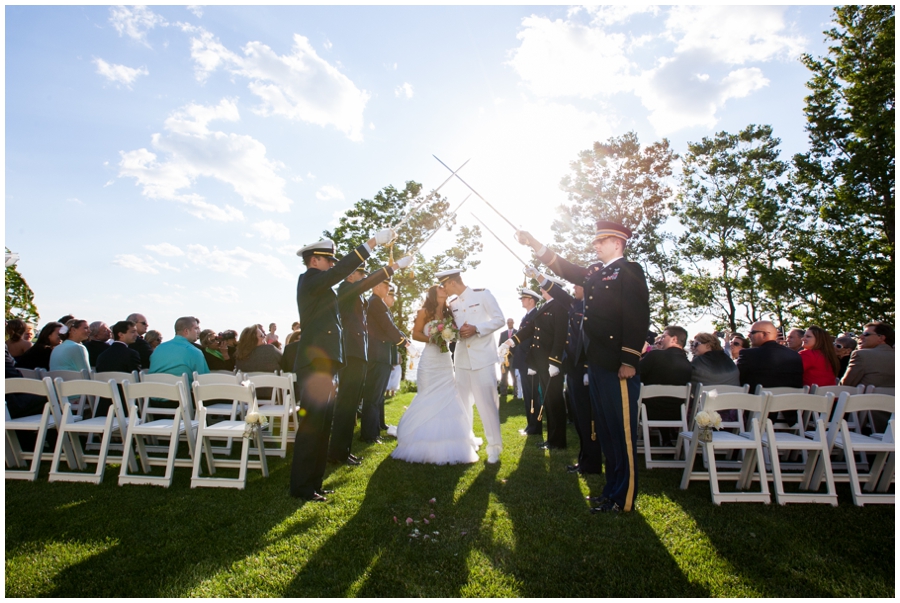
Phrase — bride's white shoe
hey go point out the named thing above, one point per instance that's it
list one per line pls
(493, 456)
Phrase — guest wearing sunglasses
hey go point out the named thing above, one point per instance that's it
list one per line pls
(873, 362)
(734, 346)
(843, 347)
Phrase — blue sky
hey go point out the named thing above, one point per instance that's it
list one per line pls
(170, 160)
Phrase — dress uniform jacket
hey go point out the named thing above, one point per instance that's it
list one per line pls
(478, 308)
(616, 309)
(383, 333)
(352, 307)
(548, 336)
(318, 309)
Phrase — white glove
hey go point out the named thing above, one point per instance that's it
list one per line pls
(404, 262)
(554, 371)
(509, 343)
(532, 372)
(532, 272)
(585, 379)
(384, 236)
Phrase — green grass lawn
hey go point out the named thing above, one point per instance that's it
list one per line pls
(520, 528)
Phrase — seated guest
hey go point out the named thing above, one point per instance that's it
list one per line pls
(140, 344)
(230, 338)
(291, 338)
(767, 363)
(735, 344)
(795, 339)
(118, 356)
(16, 344)
(71, 355)
(666, 365)
(38, 355)
(215, 351)
(710, 364)
(153, 339)
(873, 362)
(254, 354)
(98, 341)
(178, 356)
(25, 405)
(820, 361)
(843, 347)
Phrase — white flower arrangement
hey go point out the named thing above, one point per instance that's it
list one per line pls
(253, 422)
(708, 420)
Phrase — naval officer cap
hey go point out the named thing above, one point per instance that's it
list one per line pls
(323, 248)
(606, 228)
(525, 292)
(444, 275)
(552, 283)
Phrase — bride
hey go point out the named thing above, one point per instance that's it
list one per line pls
(437, 426)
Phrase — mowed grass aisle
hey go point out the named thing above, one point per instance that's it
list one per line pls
(520, 528)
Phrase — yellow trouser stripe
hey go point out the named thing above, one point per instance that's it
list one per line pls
(626, 420)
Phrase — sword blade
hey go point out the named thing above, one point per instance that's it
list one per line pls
(444, 223)
(428, 196)
(476, 192)
(499, 240)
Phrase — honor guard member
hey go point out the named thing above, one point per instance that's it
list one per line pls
(616, 318)
(590, 456)
(548, 333)
(383, 335)
(525, 376)
(319, 356)
(352, 306)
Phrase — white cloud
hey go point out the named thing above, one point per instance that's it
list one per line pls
(193, 151)
(301, 86)
(146, 264)
(405, 90)
(617, 13)
(237, 261)
(328, 193)
(165, 249)
(119, 74)
(270, 229)
(75, 201)
(225, 295)
(327, 44)
(196, 10)
(733, 34)
(134, 21)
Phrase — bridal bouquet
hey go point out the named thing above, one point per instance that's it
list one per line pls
(442, 332)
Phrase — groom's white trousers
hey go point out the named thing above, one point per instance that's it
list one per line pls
(480, 387)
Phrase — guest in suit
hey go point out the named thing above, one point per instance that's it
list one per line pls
(667, 365)
(98, 341)
(820, 361)
(873, 362)
(768, 363)
(140, 345)
(118, 357)
(38, 355)
(525, 380)
(506, 372)
(382, 335)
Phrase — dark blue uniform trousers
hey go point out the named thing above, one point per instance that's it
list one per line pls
(346, 403)
(590, 455)
(614, 402)
(377, 376)
(315, 382)
(532, 398)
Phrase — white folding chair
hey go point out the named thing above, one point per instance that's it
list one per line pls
(852, 420)
(245, 394)
(42, 423)
(232, 411)
(112, 423)
(683, 393)
(181, 424)
(30, 373)
(78, 405)
(737, 425)
(281, 406)
(881, 474)
(146, 377)
(887, 391)
(814, 447)
(724, 440)
(119, 377)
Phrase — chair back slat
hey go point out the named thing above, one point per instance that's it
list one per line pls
(665, 391)
(803, 402)
(837, 390)
(29, 373)
(780, 391)
(37, 387)
(218, 378)
(714, 401)
(85, 387)
(887, 391)
(268, 380)
(117, 376)
(863, 402)
(68, 375)
(163, 391)
(222, 391)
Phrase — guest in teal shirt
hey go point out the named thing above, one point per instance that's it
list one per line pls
(178, 355)
(71, 355)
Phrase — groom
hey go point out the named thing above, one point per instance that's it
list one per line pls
(477, 315)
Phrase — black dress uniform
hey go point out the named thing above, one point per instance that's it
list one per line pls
(548, 343)
(532, 405)
(616, 320)
(319, 356)
(383, 335)
(352, 307)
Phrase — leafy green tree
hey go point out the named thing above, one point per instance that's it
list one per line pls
(846, 250)
(19, 297)
(388, 207)
(620, 180)
(734, 205)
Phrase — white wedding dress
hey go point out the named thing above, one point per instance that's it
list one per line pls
(437, 427)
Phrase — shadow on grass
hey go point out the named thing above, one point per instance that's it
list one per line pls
(809, 550)
(151, 541)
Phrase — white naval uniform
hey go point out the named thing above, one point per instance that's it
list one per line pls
(475, 359)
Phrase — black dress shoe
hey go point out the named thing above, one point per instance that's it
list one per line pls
(607, 507)
(316, 497)
(597, 500)
(573, 469)
(354, 457)
(353, 462)
(375, 441)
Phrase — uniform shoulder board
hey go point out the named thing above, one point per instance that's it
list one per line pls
(477, 289)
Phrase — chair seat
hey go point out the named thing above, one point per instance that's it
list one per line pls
(34, 421)
(226, 428)
(864, 442)
(94, 425)
(161, 425)
(219, 409)
(718, 436)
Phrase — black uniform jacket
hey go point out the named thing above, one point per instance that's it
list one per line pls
(352, 306)
(318, 309)
(616, 309)
(521, 350)
(383, 333)
(548, 333)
